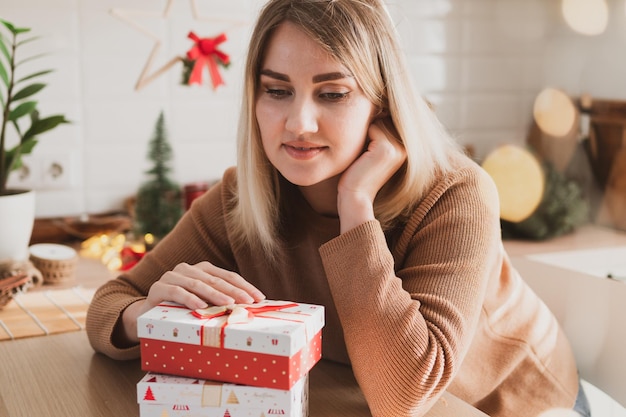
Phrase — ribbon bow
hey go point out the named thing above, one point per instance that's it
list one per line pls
(240, 313)
(129, 258)
(205, 53)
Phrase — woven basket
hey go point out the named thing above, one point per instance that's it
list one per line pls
(57, 263)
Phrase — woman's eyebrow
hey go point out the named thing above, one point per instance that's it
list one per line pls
(275, 75)
(330, 76)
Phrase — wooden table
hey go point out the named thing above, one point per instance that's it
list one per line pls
(61, 375)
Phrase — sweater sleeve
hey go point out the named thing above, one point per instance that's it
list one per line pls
(409, 314)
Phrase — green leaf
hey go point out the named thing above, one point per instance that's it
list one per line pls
(17, 163)
(23, 148)
(17, 127)
(34, 116)
(37, 74)
(4, 75)
(43, 125)
(14, 30)
(28, 91)
(22, 110)
(22, 42)
(9, 160)
(27, 146)
(8, 25)
(13, 157)
(30, 58)
(4, 50)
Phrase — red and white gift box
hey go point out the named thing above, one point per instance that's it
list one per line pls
(270, 344)
(174, 396)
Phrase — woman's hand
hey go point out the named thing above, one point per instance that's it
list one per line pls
(194, 286)
(360, 183)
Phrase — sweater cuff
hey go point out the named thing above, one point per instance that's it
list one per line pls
(366, 231)
(103, 340)
(360, 254)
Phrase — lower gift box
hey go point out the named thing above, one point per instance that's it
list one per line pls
(161, 395)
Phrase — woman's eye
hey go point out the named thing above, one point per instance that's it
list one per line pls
(334, 96)
(277, 93)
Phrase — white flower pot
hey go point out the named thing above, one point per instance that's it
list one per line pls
(17, 217)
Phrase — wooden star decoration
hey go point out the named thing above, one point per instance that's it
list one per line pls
(148, 74)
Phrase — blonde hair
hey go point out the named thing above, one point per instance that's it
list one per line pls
(360, 34)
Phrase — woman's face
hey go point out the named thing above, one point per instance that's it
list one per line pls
(312, 114)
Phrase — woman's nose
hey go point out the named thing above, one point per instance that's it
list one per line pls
(302, 117)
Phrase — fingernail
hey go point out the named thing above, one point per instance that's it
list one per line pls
(247, 299)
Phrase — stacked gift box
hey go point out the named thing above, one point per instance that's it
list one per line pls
(243, 360)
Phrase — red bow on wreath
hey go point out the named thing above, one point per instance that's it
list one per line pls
(205, 53)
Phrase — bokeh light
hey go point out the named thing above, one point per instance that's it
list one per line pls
(587, 17)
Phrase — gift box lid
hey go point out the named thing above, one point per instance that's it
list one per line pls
(274, 327)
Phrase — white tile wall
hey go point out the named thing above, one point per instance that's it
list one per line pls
(480, 62)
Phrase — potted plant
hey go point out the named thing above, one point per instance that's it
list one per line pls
(21, 125)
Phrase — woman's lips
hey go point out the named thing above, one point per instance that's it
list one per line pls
(303, 151)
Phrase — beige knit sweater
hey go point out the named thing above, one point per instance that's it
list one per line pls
(430, 306)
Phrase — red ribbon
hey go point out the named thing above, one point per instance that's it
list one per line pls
(129, 258)
(205, 53)
(238, 314)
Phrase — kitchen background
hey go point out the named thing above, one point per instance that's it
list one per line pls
(480, 62)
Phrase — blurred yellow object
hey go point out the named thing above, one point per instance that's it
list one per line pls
(555, 113)
(149, 238)
(519, 178)
(587, 17)
(107, 249)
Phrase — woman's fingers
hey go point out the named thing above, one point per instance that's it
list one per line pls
(163, 291)
(392, 154)
(234, 279)
(383, 157)
(196, 285)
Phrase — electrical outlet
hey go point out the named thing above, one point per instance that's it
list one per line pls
(28, 176)
(57, 171)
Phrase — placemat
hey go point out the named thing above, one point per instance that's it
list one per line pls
(40, 313)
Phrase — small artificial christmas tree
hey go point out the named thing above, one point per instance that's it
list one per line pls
(159, 200)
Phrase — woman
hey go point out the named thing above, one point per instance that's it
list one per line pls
(349, 194)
